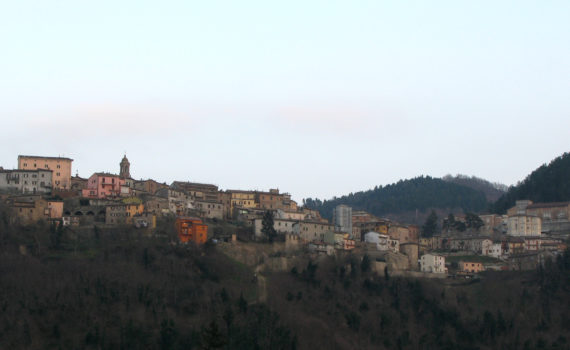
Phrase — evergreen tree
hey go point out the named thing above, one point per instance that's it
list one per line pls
(267, 226)
(430, 226)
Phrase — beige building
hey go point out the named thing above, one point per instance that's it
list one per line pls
(524, 225)
(60, 166)
(210, 209)
(281, 226)
(312, 230)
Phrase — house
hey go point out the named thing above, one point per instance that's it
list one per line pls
(469, 266)
(476, 245)
(210, 209)
(26, 181)
(122, 213)
(321, 247)
(495, 250)
(310, 230)
(103, 185)
(383, 242)
(178, 201)
(191, 229)
(60, 167)
(532, 244)
(433, 263)
(30, 209)
(281, 226)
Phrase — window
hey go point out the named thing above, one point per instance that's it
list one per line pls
(46, 166)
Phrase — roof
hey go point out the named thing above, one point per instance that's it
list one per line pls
(548, 205)
(42, 157)
(23, 170)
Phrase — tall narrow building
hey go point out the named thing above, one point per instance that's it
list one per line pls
(342, 218)
(125, 168)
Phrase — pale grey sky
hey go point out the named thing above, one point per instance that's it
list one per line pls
(318, 98)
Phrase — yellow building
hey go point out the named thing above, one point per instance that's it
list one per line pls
(61, 168)
(242, 199)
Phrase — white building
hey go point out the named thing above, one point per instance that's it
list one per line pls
(433, 263)
(495, 250)
(383, 242)
(26, 181)
(342, 218)
(281, 226)
(524, 225)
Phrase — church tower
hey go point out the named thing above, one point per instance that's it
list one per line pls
(125, 168)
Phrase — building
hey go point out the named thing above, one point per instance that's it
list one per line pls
(123, 213)
(26, 181)
(524, 225)
(30, 209)
(412, 251)
(473, 267)
(104, 185)
(433, 263)
(60, 166)
(200, 191)
(555, 216)
(78, 183)
(404, 234)
(210, 209)
(178, 201)
(382, 242)
(148, 186)
(125, 168)
(281, 226)
(191, 230)
(342, 218)
(312, 230)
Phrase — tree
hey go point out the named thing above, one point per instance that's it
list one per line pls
(473, 221)
(267, 226)
(430, 226)
(365, 263)
(449, 223)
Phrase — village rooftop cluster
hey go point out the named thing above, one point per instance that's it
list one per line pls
(42, 188)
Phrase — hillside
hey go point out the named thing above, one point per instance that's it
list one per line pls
(408, 199)
(548, 183)
(492, 191)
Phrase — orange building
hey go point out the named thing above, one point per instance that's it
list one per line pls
(191, 230)
(468, 266)
(60, 166)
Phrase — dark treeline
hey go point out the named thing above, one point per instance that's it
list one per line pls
(492, 191)
(101, 289)
(421, 193)
(342, 304)
(549, 183)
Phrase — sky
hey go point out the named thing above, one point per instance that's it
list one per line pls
(316, 98)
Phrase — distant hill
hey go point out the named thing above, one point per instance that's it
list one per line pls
(549, 183)
(408, 200)
(492, 191)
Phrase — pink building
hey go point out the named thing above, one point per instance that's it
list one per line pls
(103, 185)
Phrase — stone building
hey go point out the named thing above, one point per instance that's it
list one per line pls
(210, 209)
(342, 218)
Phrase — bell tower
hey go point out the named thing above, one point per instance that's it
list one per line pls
(125, 168)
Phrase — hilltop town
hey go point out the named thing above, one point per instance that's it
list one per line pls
(43, 189)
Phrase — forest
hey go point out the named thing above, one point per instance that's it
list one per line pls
(418, 194)
(549, 183)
